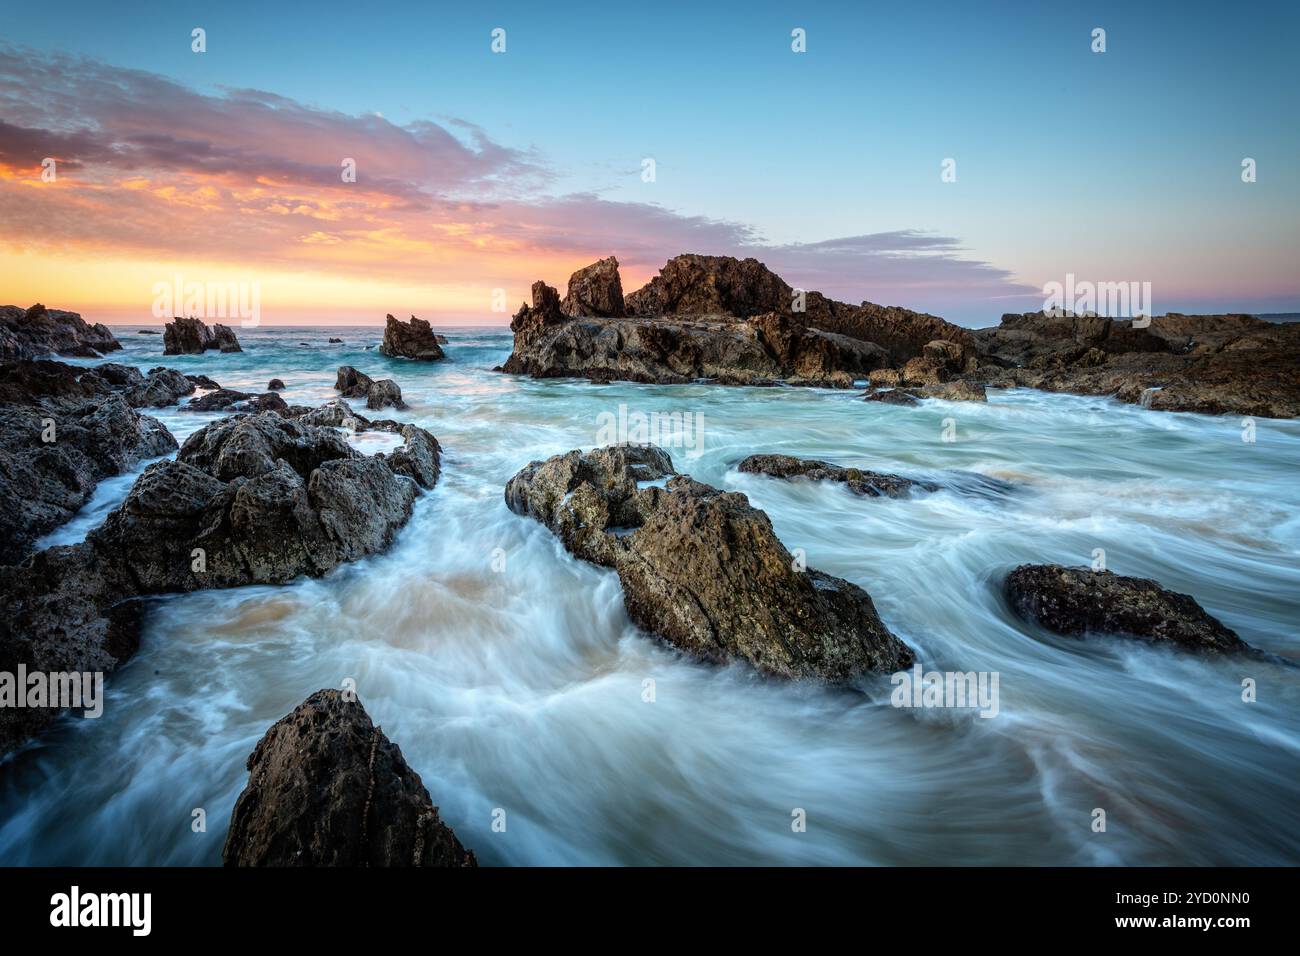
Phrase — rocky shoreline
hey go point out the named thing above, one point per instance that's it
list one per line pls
(274, 492)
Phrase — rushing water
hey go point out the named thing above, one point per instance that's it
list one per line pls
(523, 688)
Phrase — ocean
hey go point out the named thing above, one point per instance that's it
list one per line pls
(512, 679)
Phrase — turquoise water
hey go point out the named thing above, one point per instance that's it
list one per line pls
(521, 689)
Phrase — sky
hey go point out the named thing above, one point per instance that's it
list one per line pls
(478, 172)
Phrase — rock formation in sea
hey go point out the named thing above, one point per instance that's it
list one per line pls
(414, 339)
(252, 499)
(1214, 364)
(38, 332)
(702, 568)
(378, 394)
(728, 320)
(193, 337)
(1082, 602)
(872, 484)
(63, 429)
(326, 787)
(232, 400)
(275, 385)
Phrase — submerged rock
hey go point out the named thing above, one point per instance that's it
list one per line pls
(231, 400)
(956, 391)
(414, 339)
(193, 337)
(702, 569)
(859, 481)
(326, 787)
(1081, 602)
(37, 332)
(252, 499)
(891, 396)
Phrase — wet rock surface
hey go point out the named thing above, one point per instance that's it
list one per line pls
(251, 499)
(193, 337)
(326, 787)
(1082, 602)
(859, 481)
(384, 393)
(37, 332)
(63, 429)
(414, 339)
(702, 569)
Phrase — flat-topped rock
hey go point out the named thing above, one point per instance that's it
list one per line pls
(858, 480)
(1081, 602)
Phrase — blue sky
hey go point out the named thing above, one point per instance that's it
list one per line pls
(1123, 165)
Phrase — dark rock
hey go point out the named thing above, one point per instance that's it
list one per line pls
(334, 341)
(414, 339)
(275, 385)
(891, 396)
(148, 332)
(37, 332)
(326, 787)
(384, 394)
(202, 381)
(1080, 602)
(95, 433)
(695, 285)
(859, 481)
(595, 290)
(230, 400)
(702, 569)
(193, 337)
(253, 499)
(957, 391)
(381, 394)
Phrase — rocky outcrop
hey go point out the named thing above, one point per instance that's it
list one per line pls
(596, 290)
(193, 337)
(231, 400)
(726, 320)
(326, 787)
(252, 499)
(63, 430)
(37, 332)
(1215, 365)
(275, 385)
(414, 339)
(859, 481)
(702, 569)
(1081, 602)
(384, 393)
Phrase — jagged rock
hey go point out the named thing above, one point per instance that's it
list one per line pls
(252, 499)
(192, 337)
(1210, 364)
(1081, 602)
(92, 431)
(37, 332)
(231, 400)
(702, 569)
(275, 385)
(414, 339)
(326, 787)
(383, 394)
(924, 370)
(860, 481)
(712, 317)
(202, 381)
(334, 341)
(595, 290)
